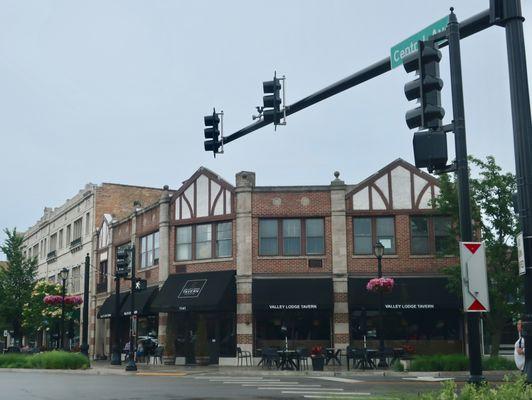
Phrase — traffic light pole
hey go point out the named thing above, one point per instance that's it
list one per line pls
(462, 174)
(521, 120)
(131, 366)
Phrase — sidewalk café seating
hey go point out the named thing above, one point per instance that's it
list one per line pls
(333, 355)
(303, 355)
(243, 355)
(270, 358)
(289, 360)
(350, 355)
(364, 358)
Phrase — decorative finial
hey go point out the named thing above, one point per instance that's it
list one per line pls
(165, 187)
(336, 174)
(452, 9)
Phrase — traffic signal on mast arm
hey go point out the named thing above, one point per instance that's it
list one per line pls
(122, 262)
(426, 88)
(212, 132)
(430, 144)
(272, 100)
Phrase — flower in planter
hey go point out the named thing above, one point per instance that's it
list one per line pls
(380, 285)
(317, 351)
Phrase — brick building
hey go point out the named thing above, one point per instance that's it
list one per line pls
(253, 267)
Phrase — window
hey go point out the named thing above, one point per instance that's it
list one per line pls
(291, 237)
(268, 237)
(203, 241)
(442, 235)
(149, 250)
(76, 280)
(419, 228)
(68, 234)
(35, 250)
(184, 243)
(368, 231)
(315, 236)
(53, 242)
(224, 239)
(362, 236)
(77, 229)
(60, 246)
(87, 224)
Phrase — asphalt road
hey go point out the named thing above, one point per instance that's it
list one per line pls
(159, 386)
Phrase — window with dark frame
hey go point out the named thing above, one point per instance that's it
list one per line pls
(367, 231)
(291, 237)
(431, 235)
(443, 240)
(204, 241)
(149, 250)
(419, 232)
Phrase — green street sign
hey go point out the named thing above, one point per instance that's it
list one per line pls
(408, 46)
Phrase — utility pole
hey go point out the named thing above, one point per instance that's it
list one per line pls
(85, 316)
(462, 174)
(522, 126)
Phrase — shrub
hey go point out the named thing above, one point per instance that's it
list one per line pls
(458, 362)
(397, 366)
(47, 360)
(498, 364)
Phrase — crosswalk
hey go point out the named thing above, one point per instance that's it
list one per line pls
(291, 388)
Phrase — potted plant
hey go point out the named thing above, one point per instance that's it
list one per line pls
(380, 285)
(318, 360)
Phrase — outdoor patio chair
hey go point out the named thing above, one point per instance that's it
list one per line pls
(270, 357)
(303, 355)
(158, 355)
(242, 355)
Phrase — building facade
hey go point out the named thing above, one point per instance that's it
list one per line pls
(63, 236)
(250, 267)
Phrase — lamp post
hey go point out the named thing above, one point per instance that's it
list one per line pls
(379, 252)
(63, 275)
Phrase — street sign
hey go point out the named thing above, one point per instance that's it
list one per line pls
(474, 277)
(408, 46)
(520, 254)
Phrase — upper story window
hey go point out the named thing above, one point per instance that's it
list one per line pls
(60, 242)
(204, 241)
(430, 235)
(53, 242)
(367, 231)
(77, 229)
(291, 237)
(87, 223)
(76, 280)
(68, 234)
(149, 250)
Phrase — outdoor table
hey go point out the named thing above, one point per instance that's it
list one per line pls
(332, 354)
(289, 360)
(366, 361)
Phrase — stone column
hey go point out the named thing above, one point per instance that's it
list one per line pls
(245, 181)
(339, 260)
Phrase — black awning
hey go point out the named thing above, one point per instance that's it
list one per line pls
(107, 310)
(292, 294)
(201, 291)
(143, 300)
(407, 294)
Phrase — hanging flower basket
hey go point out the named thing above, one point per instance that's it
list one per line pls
(380, 285)
(55, 300)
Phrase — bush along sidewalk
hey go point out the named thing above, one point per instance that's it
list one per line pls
(515, 390)
(458, 362)
(47, 360)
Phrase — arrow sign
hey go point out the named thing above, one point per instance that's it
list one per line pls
(474, 277)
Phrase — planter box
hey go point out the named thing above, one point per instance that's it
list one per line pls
(318, 363)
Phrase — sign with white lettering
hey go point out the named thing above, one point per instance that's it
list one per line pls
(409, 306)
(474, 277)
(293, 306)
(192, 288)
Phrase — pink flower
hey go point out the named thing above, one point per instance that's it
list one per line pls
(377, 285)
(54, 300)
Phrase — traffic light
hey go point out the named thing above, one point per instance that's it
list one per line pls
(212, 133)
(140, 284)
(122, 262)
(430, 149)
(272, 100)
(426, 88)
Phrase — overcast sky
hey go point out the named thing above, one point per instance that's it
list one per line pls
(116, 91)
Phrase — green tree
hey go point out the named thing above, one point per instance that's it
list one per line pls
(496, 224)
(16, 281)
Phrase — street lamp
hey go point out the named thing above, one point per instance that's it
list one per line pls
(379, 252)
(63, 275)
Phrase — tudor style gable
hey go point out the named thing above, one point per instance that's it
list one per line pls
(204, 195)
(398, 186)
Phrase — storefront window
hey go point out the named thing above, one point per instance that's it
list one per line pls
(203, 241)
(315, 236)
(184, 243)
(291, 237)
(420, 235)
(268, 245)
(224, 239)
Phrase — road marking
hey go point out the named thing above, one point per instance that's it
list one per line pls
(258, 382)
(229, 378)
(301, 389)
(161, 373)
(316, 396)
(427, 379)
(335, 379)
(330, 393)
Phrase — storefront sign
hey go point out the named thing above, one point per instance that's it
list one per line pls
(192, 288)
(293, 306)
(409, 306)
